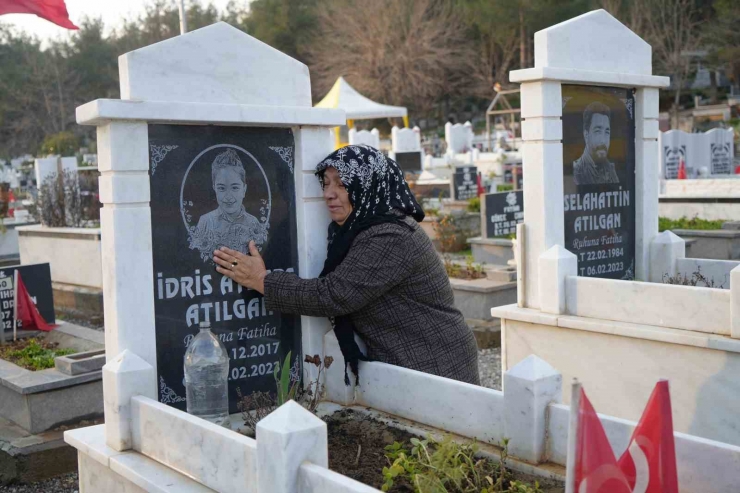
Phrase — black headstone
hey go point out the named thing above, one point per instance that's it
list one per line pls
(599, 179)
(504, 210)
(409, 161)
(37, 279)
(465, 183)
(199, 203)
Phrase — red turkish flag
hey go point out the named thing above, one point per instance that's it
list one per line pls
(596, 469)
(649, 463)
(481, 190)
(52, 10)
(26, 309)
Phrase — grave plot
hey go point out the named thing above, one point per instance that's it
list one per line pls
(240, 88)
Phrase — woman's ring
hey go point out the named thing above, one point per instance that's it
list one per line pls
(234, 264)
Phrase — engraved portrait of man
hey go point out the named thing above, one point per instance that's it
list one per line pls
(594, 167)
(229, 225)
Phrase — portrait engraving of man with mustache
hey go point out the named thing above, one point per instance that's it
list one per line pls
(594, 167)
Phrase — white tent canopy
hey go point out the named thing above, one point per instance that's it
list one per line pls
(357, 106)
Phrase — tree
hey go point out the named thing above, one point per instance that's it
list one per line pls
(405, 53)
(286, 25)
(724, 38)
(62, 143)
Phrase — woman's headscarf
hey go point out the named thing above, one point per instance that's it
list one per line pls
(379, 194)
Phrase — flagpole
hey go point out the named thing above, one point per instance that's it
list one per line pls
(570, 460)
(15, 303)
(183, 17)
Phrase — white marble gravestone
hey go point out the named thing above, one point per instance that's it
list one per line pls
(568, 53)
(367, 137)
(459, 138)
(212, 76)
(704, 154)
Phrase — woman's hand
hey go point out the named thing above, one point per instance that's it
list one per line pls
(247, 270)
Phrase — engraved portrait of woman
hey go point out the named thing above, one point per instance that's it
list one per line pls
(229, 225)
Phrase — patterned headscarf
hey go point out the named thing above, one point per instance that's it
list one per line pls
(379, 194)
(376, 188)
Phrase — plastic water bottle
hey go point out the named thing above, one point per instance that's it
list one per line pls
(207, 377)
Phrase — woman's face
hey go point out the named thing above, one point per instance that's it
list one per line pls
(230, 190)
(336, 197)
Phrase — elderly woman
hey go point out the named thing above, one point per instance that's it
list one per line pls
(382, 277)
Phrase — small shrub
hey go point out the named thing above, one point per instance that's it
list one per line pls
(32, 354)
(447, 466)
(431, 212)
(474, 204)
(447, 233)
(696, 279)
(504, 187)
(665, 224)
(258, 405)
(59, 201)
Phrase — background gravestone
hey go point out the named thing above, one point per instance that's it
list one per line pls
(189, 222)
(37, 279)
(504, 210)
(465, 183)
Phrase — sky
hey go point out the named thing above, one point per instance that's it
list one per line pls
(112, 12)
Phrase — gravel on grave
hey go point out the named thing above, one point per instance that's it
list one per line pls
(59, 484)
(489, 368)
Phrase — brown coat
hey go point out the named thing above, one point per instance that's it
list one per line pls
(395, 287)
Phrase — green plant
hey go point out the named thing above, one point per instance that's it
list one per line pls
(504, 187)
(286, 387)
(446, 466)
(665, 224)
(33, 355)
(474, 204)
(431, 211)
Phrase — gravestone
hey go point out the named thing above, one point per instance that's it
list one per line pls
(502, 212)
(621, 179)
(406, 148)
(370, 138)
(37, 279)
(214, 143)
(708, 153)
(464, 183)
(213, 187)
(459, 138)
(599, 179)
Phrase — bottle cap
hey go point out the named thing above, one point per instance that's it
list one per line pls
(205, 325)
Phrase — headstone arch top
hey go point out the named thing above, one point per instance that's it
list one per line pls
(593, 41)
(593, 48)
(214, 64)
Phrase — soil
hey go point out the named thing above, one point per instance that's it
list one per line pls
(357, 450)
(350, 434)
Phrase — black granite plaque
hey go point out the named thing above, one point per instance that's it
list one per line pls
(220, 186)
(672, 157)
(599, 179)
(721, 157)
(409, 161)
(37, 279)
(504, 210)
(465, 183)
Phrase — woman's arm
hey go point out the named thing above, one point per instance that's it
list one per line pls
(377, 261)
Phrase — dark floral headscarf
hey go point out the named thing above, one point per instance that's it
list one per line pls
(379, 194)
